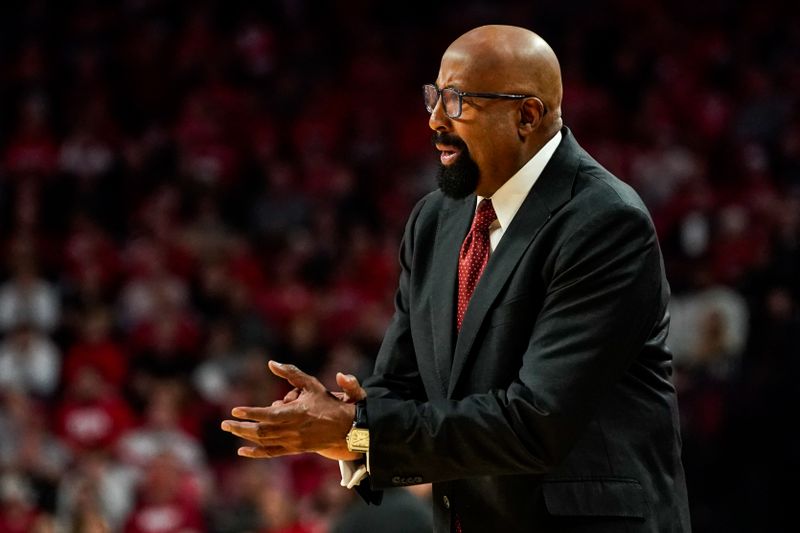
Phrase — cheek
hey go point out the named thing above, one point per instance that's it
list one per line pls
(486, 144)
(488, 136)
(501, 138)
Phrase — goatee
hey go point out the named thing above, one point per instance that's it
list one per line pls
(459, 179)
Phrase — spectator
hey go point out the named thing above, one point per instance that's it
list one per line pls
(161, 433)
(163, 505)
(18, 511)
(29, 361)
(234, 506)
(403, 510)
(709, 331)
(96, 349)
(98, 491)
(29, 448)
(27, 298)
(278, 513)
(222, 366)
(92, 415)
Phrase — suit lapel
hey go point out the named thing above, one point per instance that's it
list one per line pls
(550, 192)
(454, 224)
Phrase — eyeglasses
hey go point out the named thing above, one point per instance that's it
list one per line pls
(453, 99)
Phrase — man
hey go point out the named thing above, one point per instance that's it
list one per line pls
(525, 372)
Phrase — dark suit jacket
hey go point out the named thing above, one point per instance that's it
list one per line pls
(552, 410)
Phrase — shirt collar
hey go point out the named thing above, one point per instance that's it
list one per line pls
(509, 197)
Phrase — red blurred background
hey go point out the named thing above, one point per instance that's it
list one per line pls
(188, 189)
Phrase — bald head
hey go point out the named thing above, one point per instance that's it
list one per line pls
(496, 131)
(510, 59)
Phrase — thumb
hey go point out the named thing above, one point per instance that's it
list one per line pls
(295, 376)
(349, 384)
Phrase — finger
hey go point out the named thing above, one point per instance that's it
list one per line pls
(244, 430)
(264, 452)
(257, 414)
(351, 387)
(295, 376)
(275, 414)
(261, 433)
(292, 395)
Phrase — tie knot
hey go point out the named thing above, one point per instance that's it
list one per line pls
(484, 216)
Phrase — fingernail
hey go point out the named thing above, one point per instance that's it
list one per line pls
(238, 412)
(226, 426)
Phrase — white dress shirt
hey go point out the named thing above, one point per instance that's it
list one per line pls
(509, 197)
(506, 202)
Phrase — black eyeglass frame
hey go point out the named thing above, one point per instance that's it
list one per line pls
(462, 94)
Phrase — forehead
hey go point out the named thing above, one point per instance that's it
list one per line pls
(467, 71)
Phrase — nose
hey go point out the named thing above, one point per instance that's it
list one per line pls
(439, 121)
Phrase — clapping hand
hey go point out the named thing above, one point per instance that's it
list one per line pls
(308, 419)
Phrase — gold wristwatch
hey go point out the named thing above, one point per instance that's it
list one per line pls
(358, 436)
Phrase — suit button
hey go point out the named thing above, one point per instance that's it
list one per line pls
(446, 502)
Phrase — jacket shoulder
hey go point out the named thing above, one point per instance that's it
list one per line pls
(598, 192)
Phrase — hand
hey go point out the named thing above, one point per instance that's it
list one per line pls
(351, 392)
(312, 420)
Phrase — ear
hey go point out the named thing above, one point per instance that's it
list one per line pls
(531, 113)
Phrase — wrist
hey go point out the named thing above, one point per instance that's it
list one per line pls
(357, 438)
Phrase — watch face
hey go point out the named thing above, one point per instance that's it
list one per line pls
(358, 440)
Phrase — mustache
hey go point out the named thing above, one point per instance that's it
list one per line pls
(449, 139)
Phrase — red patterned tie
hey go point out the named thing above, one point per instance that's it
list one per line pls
(473, 257)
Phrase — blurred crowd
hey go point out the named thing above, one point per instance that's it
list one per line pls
(188, 189)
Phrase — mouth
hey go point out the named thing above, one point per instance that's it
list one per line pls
(448, 154)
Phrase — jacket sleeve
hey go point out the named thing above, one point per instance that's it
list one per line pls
(602, 301)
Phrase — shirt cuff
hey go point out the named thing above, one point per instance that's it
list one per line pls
(353, 472)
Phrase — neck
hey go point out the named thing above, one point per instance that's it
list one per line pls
(490, 182)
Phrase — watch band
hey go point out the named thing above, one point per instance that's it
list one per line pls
(360, 419)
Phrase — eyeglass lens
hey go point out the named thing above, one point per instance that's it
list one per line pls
(450, 100)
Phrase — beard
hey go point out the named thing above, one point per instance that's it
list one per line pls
(459, 179)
